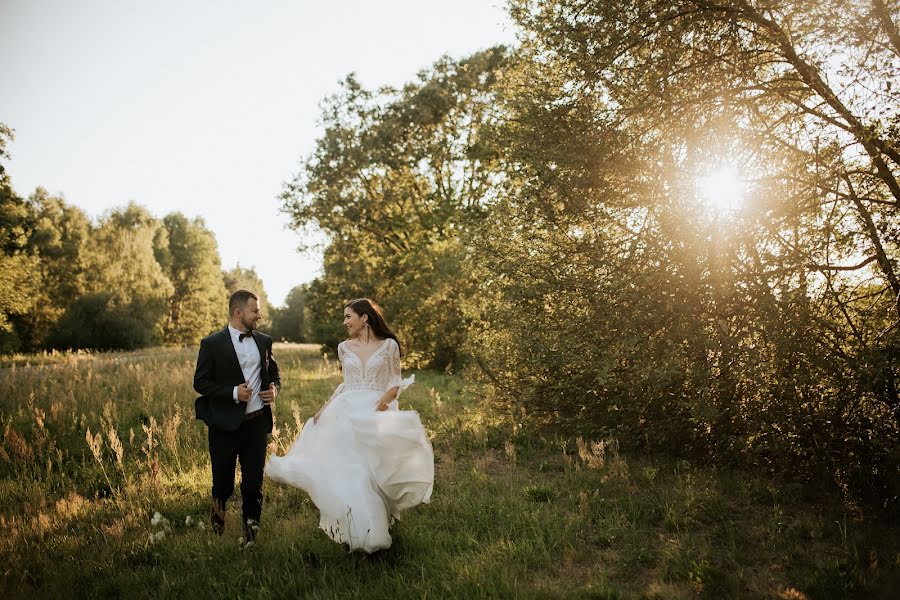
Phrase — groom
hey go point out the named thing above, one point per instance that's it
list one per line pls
(237, 379)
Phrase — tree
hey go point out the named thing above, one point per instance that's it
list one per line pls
(288, 322)
(60, 239)
(394, 178)
(19, 273)
(191, 260)
(122, 278)
(613, 301)
(100, 321)
(801, 91)
(241, 278)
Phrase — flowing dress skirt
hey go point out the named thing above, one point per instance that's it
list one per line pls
(361, 467)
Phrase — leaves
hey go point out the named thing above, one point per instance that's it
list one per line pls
(394, 178)
(541, 215)
(127, 281)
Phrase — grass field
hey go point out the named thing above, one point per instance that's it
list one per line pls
(94, 445)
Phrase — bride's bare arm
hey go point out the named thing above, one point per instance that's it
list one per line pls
(327, 402)
(387, 398)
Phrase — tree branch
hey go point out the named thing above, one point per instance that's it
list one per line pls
(890, 28)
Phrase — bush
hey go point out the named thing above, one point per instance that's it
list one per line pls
(94, 321)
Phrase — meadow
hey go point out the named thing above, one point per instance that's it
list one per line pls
(104, 488)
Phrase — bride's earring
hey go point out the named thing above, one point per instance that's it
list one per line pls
(367, 333)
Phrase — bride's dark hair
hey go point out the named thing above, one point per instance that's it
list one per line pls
(364, 306)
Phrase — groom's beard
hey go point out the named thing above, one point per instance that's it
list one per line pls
(248, 325)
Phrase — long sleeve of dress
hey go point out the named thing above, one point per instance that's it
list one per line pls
(395, 377)
(340, 387)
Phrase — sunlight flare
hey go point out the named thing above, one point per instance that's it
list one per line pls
(722, 189)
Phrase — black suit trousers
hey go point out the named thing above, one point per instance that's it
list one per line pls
(248, 444)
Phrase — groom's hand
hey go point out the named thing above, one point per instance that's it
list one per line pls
(243, 392)
(268, 396)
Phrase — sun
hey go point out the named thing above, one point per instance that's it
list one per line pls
(722, 189)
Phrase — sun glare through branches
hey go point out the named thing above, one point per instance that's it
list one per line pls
(722, 189)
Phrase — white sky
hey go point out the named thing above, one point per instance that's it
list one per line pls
(206, 107)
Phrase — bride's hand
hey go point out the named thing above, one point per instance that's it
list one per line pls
(382, 405)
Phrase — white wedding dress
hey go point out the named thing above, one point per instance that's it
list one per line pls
(361, 467)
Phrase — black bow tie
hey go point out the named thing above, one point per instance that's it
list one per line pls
(249, 334)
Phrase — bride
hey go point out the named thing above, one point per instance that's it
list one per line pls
(360, 458)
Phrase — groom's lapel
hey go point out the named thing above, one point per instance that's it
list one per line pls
(226, 336)
(262, 353)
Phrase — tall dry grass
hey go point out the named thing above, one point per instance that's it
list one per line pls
(104, 485)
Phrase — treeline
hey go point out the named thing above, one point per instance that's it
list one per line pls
(127, 281)
(533, 215)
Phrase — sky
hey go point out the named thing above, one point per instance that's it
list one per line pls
(206, 107)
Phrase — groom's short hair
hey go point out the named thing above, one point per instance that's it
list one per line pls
(239, 300)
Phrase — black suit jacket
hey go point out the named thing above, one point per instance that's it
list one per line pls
(218, 371)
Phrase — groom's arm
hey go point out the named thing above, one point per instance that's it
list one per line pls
(274, 375)
(204, 383)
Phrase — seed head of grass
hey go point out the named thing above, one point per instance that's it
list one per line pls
(96, 445)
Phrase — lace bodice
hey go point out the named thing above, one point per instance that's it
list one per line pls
(380, 372)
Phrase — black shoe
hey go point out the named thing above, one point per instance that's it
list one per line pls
(250, 528)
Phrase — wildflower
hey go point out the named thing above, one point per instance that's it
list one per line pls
(159, 520)
(188, 520)
(201, 525)
(160, 535)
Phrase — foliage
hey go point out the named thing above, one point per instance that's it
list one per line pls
(613, 299)
(102, 321)
(538, 210)
(19, 275)
(125, 282)
(60, 239)
(289, 321)
(122, 271)
(198, 303)
(241, 278)
(394, 177)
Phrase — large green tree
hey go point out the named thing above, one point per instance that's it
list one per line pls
(394, 178)
(243, 278)
(198, 302)
(19, 272)
(289, 321)
(125, 288)
(60, 238)
(615, 299)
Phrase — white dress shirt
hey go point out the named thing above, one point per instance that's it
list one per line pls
(249, 359)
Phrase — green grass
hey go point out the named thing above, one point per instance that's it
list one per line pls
(514, 514)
